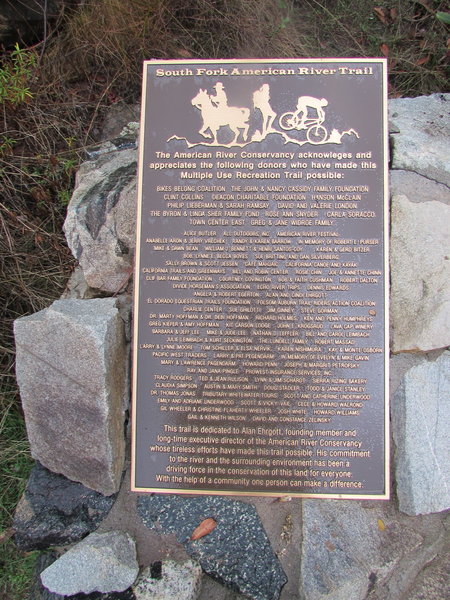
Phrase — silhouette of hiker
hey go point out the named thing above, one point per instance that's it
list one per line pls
(261, 101)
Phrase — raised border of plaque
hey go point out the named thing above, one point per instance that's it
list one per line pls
(261, 332)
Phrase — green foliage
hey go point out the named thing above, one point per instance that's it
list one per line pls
(16, 567)
(15, 460)
(16, 76)
(39, 152)
(64, 197)
(6, 145)
(444, 17)
(16, 571)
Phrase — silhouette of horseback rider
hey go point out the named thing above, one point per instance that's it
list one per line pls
(216, 114)
(220, 99)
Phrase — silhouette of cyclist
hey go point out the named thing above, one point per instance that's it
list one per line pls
(306, 102)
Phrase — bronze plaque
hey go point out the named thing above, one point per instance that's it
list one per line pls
(261, 333)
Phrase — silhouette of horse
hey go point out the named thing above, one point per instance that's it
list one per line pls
(215, 117)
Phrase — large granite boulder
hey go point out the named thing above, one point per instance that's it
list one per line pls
(102, 562)
(55, 511)
(71, 370)
(420, 274)
(420, 418)
(100, 225)
(420, 130)
(420, 235)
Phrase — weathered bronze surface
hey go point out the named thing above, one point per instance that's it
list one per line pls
(260, 340)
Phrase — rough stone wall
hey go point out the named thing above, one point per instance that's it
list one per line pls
(362, 550)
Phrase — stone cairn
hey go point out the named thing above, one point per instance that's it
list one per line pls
(73, 373)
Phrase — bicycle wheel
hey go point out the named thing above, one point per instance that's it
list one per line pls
(287, 121)
(316, 134)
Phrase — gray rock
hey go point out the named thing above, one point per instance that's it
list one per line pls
(417, 188)
(420, 418)
(126, 139)
(211, 588)
(39, 592)
(102, 562)
(117, 117)
(420, 274)
(237, 552)
(349, 548)
(77, 288)
(421, 130)
(176, 581)
(100, 226)
(71, 369)
(433, 583)
(55, 511)
(400, 363)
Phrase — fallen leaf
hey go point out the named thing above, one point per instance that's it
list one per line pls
(203, 529)
(381, 525)
(384, 48)
(380, 14)
(283, 499)
(393, 13)
(99, 78)
(423, 60)
(184, 53)
(39, 194)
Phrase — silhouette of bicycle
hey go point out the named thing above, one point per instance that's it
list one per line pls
(316, 133)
